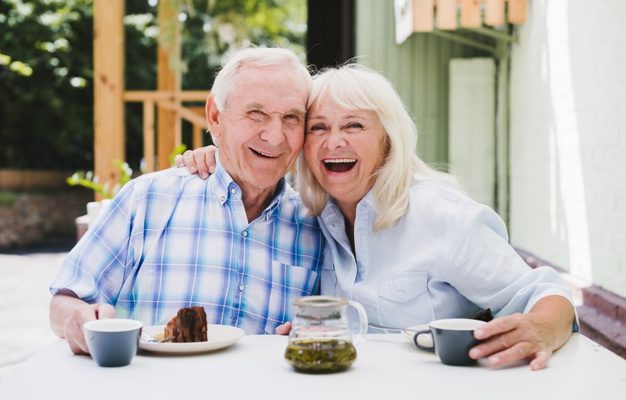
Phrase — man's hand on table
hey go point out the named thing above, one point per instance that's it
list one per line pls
(67, 316)
(73, 325)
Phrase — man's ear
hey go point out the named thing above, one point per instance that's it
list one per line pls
(213, 117)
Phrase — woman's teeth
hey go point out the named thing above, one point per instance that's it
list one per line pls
(340, 164)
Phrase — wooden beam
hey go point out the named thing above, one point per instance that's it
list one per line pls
(148, 136)
(156, 95)
(423, 15)
(494, 12)
(470, 14)
(446, 14)
(108, 60)
(517, 11)
(168, 79)
(185, 113)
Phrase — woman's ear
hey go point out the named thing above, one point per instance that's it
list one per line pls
(213, 117)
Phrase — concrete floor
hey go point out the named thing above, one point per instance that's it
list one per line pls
(24, 297)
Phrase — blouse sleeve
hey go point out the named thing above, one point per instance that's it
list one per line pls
(486, 270)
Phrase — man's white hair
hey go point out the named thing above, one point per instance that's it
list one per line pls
(255, 57)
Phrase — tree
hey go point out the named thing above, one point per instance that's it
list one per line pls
(46, 67)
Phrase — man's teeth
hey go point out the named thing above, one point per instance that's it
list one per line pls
(340, 160)
(266, 154)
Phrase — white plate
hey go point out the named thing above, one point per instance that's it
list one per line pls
(425, 340)
(219, 336)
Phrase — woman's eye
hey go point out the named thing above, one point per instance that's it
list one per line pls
(292, 119)
(317, 128)
(353, 126)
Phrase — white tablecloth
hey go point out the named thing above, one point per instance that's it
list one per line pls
(387, 367)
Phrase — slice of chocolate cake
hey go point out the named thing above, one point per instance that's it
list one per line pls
(189, 325)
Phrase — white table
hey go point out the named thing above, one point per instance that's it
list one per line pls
(387, 367)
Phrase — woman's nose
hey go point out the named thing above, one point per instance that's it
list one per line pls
(335, 139)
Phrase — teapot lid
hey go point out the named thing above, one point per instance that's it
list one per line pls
(319, 301)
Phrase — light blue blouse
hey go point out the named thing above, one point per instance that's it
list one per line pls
(449, 256)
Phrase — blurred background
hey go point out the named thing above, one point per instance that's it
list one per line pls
(523, 100)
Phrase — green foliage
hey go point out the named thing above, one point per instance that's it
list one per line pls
(46, 67)
(180, 149)
(106, 189)
(7, 199)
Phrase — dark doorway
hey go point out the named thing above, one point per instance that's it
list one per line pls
(330, 33)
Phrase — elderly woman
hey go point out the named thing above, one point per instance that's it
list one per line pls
(401, 240)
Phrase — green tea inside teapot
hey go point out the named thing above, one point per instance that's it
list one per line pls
(320, 340)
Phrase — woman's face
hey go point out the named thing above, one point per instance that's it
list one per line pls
(343, 148)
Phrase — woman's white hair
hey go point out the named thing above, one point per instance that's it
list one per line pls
(355, 87)
(254, 57)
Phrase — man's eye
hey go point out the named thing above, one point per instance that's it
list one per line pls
(292, 119)
(256, 115)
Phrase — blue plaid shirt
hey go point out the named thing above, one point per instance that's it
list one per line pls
(170, 240)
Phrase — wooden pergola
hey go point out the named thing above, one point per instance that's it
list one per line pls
(110, 95)
(437, 16)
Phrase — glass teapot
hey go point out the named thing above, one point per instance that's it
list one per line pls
(320, 339)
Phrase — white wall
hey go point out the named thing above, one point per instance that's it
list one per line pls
(568, 138)
(471, 126)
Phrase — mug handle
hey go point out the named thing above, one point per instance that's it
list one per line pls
(419, 346)
(363, 323)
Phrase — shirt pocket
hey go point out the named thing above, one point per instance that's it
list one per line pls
(403, 300)
(288, 283)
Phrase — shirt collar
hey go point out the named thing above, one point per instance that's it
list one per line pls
(226, 188)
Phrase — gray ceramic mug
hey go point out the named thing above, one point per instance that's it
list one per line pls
(112, 342)
(452, 339)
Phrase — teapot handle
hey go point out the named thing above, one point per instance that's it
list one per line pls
(363, 323)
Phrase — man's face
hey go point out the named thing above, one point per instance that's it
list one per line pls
(261, 129)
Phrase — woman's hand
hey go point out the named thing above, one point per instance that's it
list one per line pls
(200, 161)
(283, 329)
(532, 337)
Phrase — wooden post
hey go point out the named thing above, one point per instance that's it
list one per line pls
(198, 130)
(423, 15)
(517, 11)
(470, 14)
(168, 79)
(446, 14)
(494, 12)
(108, 65)
(148, 136)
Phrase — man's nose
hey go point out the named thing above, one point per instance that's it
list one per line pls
(273, 131)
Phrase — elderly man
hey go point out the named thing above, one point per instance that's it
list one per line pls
(240, 244)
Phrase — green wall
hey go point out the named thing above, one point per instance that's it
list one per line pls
(418, 68)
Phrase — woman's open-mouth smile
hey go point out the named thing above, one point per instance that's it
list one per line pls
(339, 164)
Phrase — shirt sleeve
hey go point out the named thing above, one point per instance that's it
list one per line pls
(485, 268)
(94, 270)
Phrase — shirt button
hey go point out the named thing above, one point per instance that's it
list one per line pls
(244, 233)
(233, 190)
(401, 294)
(242, 287)
(222, 198)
